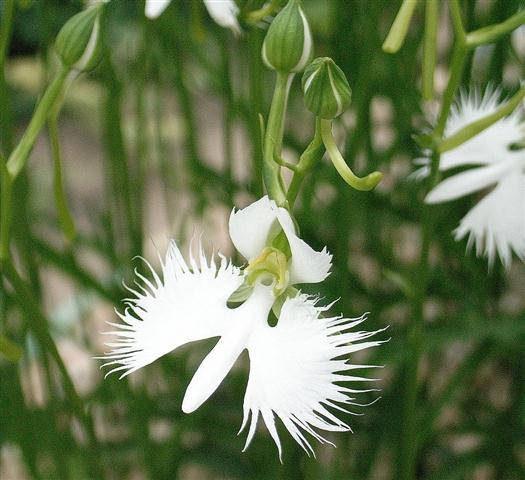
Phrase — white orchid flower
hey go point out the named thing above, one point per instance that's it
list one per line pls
(223, 12)
(297, 367)
(496, 225)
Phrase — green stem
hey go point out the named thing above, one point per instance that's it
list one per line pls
(396, 35)
(6, 186)
(456, 70)
(273, 139)
(430, 48)
(363, 184)
(64, 216)
(313, 154)
(255, 108)
(6, 27)
(457, 22)
(493, 32)
(408, 451)
(20, 154)
(38, 324)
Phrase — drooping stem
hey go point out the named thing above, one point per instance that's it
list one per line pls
(359, 183)
(273, 139)
(20, 154)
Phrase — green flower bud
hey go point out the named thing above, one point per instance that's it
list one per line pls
(326, 90)
(288, 45)
(78, 43)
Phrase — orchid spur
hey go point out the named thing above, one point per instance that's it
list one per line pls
(296, 367)
(223, 12)
(496, 225)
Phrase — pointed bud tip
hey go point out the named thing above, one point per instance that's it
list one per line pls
(78, 42)
(288, 45)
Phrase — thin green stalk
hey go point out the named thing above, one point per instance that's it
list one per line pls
(459, 56)
(463, 372)
(359, 183)
(255, 106)
(492, 33)
(20, 154)
(6, 125)
(68, 265)
(273, 138)
(119, 175)
(65, 218)
(457, 22)
(228, 112)
(6, 187)
(313, 154)
(430, 48)
(38, 324)
(408, 451)
(396, 35)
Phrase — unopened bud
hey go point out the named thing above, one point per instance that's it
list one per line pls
(325, 88)
(288, 45)
(78, 44)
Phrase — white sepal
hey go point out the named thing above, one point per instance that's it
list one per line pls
(251, 229)
(250, 226)
(224, 13)
(155, 7)
(187, 304)
(306, 264)
(467, 182)
(294, 368)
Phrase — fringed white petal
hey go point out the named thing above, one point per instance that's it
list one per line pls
(224, 13)
(496, 225)
(468, 182)
(489, 146)
(219, 361)
(155, 7)
(250, 226)
(294, 368)
(306, 264)
(188, 304)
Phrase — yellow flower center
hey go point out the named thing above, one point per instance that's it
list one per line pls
(271, 269)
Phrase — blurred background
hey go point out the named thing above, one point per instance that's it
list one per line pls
(160, 141)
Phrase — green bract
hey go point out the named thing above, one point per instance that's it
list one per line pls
(326, 90)
(288, 44)
(78, 43)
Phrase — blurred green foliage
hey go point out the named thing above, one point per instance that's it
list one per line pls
(470, 402)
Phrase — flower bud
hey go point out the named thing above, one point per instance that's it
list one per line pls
(288, 45)
(326, 90)
(78, 43)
